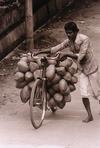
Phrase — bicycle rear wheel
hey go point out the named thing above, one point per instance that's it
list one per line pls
(37, 104)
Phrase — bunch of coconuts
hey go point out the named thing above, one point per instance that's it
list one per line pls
(61, 79)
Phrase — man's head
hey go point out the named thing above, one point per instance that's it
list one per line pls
(71, 30)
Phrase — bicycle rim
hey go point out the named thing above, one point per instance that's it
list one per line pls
(37, 104)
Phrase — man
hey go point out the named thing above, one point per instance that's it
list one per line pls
(81, 52)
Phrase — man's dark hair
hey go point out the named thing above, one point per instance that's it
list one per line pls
(71, 26)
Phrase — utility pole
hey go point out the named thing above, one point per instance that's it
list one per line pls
(29, 25)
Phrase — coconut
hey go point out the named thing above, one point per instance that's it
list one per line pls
(52, 103)
(25, 94)
(37, 74)
(20, 84)
(74, 79)
(19, 76)
(66, 63)
(59, 100)
(23, 66)
(67, 91)
(58, 97)
(51, 91)
(67, 98)
(33, 66)
(56, 87)
(25, 59)
(72, 70)
(28, 76)
(63, 85)
(68, 77)
(72, 87)
(61, 70)
(63, 63)
(61, 104)
(50, 72)
(56, 79)
(52, 62)
(31, 84)
(69, 62)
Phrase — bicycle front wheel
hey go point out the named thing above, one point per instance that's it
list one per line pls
(37, 103)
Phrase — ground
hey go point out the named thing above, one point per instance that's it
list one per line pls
(65, 128)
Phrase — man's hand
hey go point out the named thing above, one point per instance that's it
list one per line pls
(60, 55)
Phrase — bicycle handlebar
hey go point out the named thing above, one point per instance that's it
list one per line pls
(45, 57)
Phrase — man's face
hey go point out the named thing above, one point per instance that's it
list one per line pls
(71, 35)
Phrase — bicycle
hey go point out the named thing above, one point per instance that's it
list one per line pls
(38, 99)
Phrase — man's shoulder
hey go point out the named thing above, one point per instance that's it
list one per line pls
(83, 36)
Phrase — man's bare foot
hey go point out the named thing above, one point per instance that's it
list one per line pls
(88, 119)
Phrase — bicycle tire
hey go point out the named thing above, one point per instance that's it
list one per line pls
(40, 107)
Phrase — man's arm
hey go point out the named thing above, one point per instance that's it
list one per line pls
(64, 55)
(48, 51)
(54, 49)
(59, 47)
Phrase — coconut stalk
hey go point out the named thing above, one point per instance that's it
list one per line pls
(29, 25)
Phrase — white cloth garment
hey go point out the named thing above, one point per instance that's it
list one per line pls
(90, 85)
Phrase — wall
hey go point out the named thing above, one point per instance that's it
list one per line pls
(12, 25)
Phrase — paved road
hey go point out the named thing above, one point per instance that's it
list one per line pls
(64, 129)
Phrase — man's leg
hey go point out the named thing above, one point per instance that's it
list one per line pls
(84, 86)
(95, 85)
(86, 103)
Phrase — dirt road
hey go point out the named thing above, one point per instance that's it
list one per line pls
(65, 128)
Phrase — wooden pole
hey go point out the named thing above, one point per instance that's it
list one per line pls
(29, 24)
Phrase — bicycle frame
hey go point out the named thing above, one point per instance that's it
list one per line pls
(44, 63)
